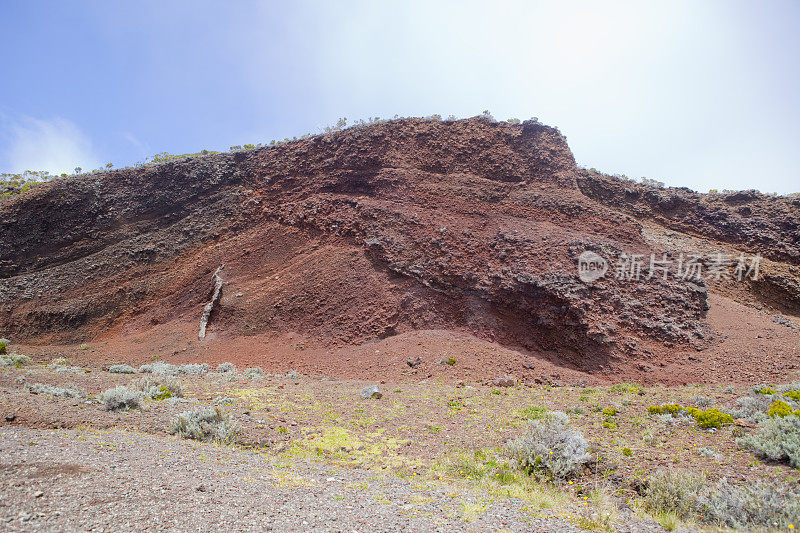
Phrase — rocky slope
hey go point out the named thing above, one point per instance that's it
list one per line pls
(368, 233)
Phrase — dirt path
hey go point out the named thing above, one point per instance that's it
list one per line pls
(89, 480)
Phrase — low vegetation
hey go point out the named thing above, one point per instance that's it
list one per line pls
(157, 388)
(13, 184)
(205, 425)
(68, 391)
(548, 447)
(121, 369)
(675, 494)
(676, 447)
(121, 398)
(778, 439)
(708, 418)
(14, 359)
(165, 369)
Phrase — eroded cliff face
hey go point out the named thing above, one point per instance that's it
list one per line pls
(361, 234)
(736, 222)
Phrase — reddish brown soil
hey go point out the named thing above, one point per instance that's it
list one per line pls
(347, 253)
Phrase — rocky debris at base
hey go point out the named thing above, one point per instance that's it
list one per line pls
(373, 392)
(783, 321)
(504, 381)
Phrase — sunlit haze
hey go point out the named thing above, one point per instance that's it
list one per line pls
(699, 94)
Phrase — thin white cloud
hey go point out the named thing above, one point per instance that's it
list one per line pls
(56, 145)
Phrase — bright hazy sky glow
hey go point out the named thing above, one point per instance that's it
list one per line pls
(702, 94)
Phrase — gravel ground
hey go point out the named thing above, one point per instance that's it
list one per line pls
(114, 480)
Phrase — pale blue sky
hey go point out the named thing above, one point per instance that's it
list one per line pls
(702, 94)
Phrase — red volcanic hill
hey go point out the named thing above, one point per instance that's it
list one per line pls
(350, 251)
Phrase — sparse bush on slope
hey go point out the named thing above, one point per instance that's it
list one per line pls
(121, 369)
(708, 418)
(14, 359)
(253, 373)
(165, 369)
(121, 398)
(226, 367)
(159, 368)
(205, 425)
(193, 369)
(686, 495)
(778, 439)
(757, 505)
(548, 446)
(69, 391)
(157, 388)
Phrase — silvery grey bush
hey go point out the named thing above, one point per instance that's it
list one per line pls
(14, 359)
(549, 446)
(121, 369)
(193, 369)
(755, 506)
(205, 425)
(165, 369)
(70, 391)
(777, 439)
(675, 491)
(253, 373)
(121, 398)
(754, 407)
(157, 387)
(159, 368)
(226, 367)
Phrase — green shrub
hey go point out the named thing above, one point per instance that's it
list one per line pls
(778, 439)
(626, 387)
(712, 418)
(764, 390)
(667, 409)
(779, 408)
(535, 412)
(205, 425)
(793, 395)
(451, 360)
(708, 418)
(627, 452)
(3, 344)
(550, 448)
(609, 411)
